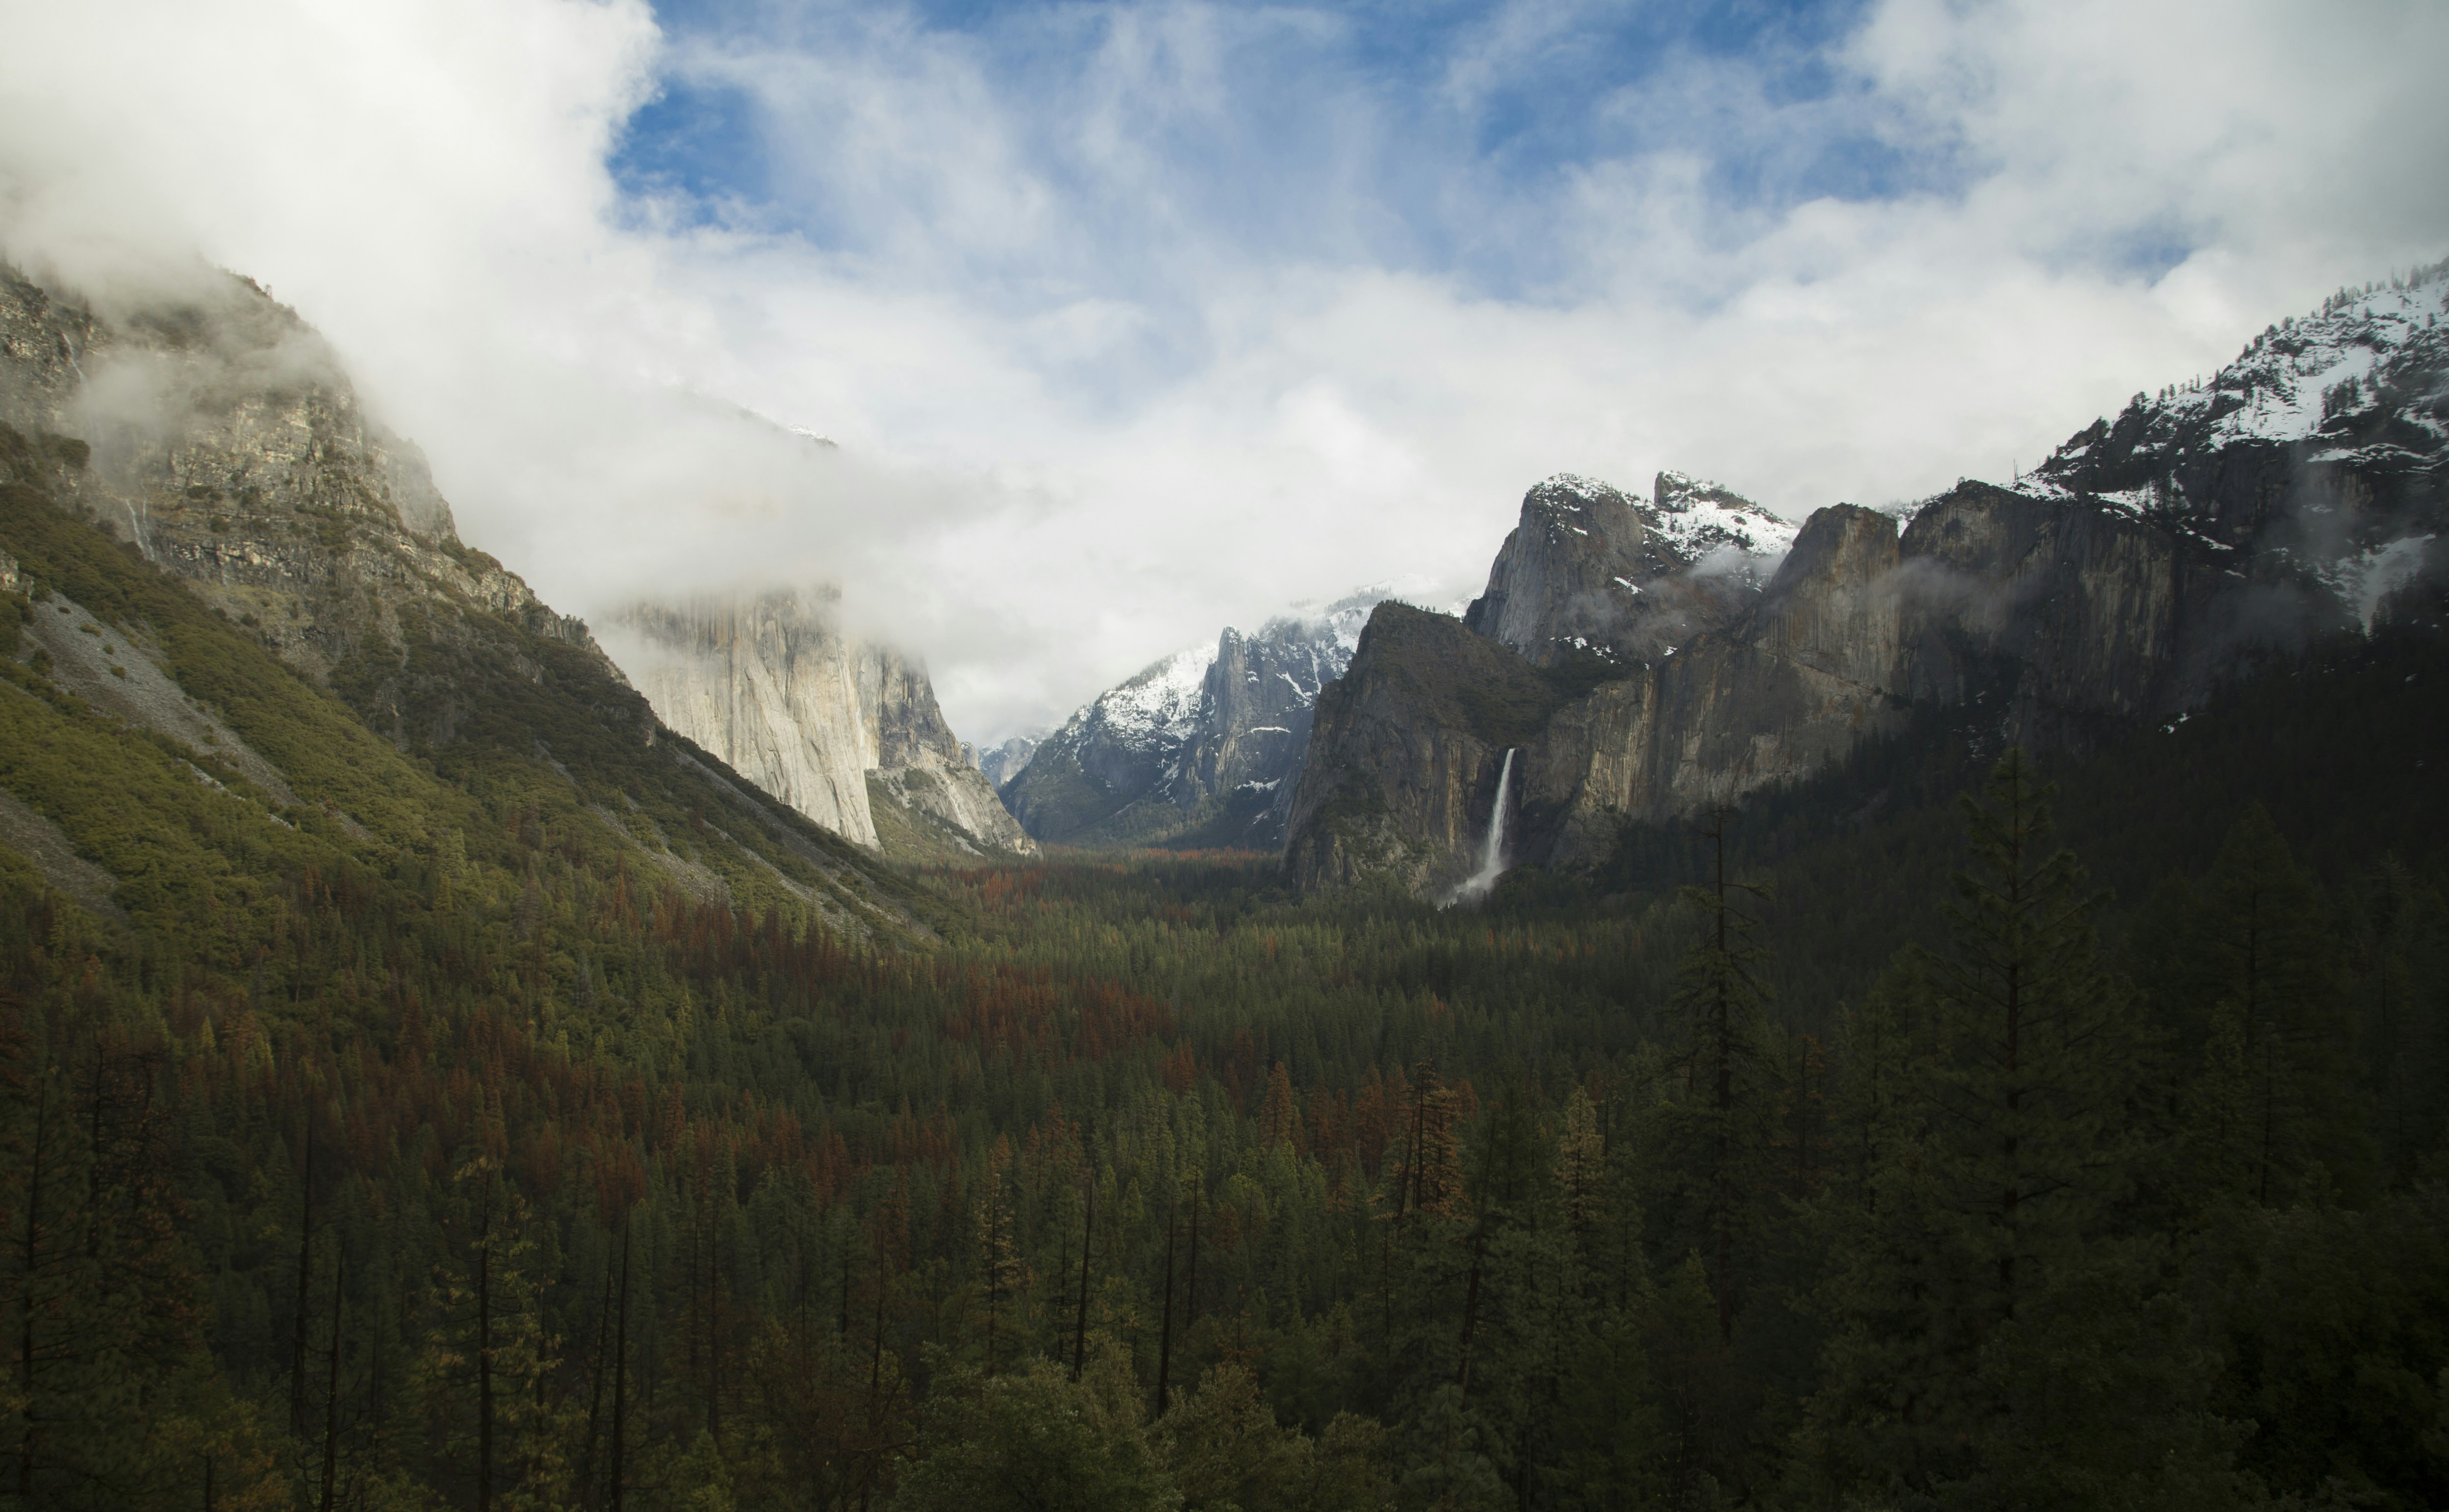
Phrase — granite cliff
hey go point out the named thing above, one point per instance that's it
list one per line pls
(846, 732)
(2220, 523)
(1590, 573)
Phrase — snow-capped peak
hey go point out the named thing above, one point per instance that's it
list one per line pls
(1160, 702)
(1700, 517)
(2313, 379)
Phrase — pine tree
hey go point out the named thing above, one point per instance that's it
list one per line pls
(2268, 949)
(1987, 1264)
(1722, 1127)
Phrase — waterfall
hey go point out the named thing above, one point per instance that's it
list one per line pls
(1492, 856)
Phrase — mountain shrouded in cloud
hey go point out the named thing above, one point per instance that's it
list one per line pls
(1135, 320)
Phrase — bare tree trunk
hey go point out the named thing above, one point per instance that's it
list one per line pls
(25, 1296)
(332, 1391)
(842, 1319)
(621, 1372)
(1471, 1308)
(1164, 1331)
(1080, 1328)
(714, 1335)
(485, 1351)
(305, 1272)
(595, 1390)
(1190, 1282)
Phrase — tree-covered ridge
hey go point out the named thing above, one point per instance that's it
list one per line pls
(450, 1147)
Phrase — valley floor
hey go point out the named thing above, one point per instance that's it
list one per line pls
(494, 1170)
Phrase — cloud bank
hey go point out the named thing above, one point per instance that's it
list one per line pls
(1134, 320)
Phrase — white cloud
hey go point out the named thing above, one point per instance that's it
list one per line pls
(1141, 325)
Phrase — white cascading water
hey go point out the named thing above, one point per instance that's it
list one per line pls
(1491, 859)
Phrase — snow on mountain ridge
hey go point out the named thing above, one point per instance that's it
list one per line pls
(2305, 379)
(1159, 704)
(1700, 517)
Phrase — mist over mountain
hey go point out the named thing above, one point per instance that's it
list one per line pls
(845, 732)
(2148, 561)
(1001, 763)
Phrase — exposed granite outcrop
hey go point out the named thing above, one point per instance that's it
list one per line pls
(822, 722)
(1406, 751)
(2150, 558)
(215, 434)
(1590, 573)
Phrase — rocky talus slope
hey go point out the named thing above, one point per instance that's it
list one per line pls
(832, 726)
(1202, 748)
(2153, 557)
(219, 440)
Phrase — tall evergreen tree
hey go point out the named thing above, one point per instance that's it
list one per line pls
(1722, 1126)
(1985, 1274)
(2278, 1116)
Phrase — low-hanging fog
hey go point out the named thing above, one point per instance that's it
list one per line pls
(1130, 321)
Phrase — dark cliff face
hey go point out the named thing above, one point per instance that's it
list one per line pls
(2149, 559)
(1405, 757)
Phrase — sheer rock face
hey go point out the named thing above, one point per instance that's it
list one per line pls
(216, 432)
(2145, 562)
(1405, 755)
(770, 683)
(1403, 765)
(1567, 578)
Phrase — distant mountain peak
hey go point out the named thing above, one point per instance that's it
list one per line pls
(1702, 517)
(1195, 747)
(1590, 570)
(2363, 379)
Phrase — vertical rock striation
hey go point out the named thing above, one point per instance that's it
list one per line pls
(826, 723)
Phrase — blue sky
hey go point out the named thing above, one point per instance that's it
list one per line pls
(1136, 321)
(1428, 137)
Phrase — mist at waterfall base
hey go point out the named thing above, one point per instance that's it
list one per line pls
(1491, 855)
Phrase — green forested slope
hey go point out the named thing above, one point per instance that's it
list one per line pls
(521, 1119)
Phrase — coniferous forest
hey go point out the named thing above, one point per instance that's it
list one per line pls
(1953, 1129)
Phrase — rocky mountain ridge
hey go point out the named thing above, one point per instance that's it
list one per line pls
(218, 433)
(1590, 573)
(220, 440)
(1204, 746)
(2151, 558)
(1001, 763)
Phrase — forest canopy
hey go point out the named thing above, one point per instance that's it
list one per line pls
(1953, 1129)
